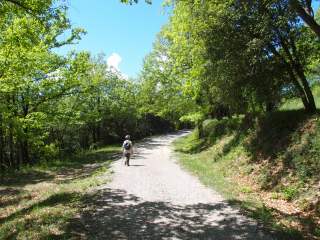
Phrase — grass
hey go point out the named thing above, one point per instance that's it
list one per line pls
(296, 103)
(267, 166)
(44, 201)
(207, 164)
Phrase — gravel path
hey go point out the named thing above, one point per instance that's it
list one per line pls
(155, 199)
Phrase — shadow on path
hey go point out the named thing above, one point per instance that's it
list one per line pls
(114, 214)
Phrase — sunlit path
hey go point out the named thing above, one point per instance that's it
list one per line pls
(155, 199)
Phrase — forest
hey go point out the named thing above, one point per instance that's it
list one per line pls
(212, 60)
(53, 105)
(243, 74)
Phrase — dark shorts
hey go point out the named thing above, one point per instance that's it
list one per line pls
(127, 155)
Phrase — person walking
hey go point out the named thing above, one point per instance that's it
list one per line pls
(127, 148)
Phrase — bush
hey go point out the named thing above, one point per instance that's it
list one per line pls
(213, 129)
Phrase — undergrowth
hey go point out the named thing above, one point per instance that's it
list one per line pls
(44, 201)
(269, 165)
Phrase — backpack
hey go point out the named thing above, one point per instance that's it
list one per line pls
(127, 145)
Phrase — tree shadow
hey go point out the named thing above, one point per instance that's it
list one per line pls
(20, 179)
(58, 198)
(268, 215)
(115, 214)
(274, 133)
(34, 222)
(267, 138)
(84, 165)
(78, 167)
(13, 190)
(273, 141)
(12, 196)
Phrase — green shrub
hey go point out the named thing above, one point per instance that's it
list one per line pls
(290, 192)
(214, 129)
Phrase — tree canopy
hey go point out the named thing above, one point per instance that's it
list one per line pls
(240, 56)
(212, 59)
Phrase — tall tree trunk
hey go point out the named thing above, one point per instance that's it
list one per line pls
(296, 64)
(98, 128)
(11, 146)
(297, 69)
(306, 15)
(24, 152)
(94, 133)
(1, 146)
(311, 108)
(24, 143)
(299, 88)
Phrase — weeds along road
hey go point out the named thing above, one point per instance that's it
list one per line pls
(155, 199)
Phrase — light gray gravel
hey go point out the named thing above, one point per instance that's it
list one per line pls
(155, 199)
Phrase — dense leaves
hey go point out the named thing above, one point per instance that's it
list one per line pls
(236, 57)
(213, 59)
(51, 104)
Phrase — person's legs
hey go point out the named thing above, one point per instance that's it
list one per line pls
(127, 159)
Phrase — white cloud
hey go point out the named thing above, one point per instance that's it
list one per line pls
(113, 63)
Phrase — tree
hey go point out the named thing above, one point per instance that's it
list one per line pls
(240, 55)
(26, 66)
(161, 91)
(305, 11)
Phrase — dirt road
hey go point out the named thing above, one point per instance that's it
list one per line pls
(155, 199)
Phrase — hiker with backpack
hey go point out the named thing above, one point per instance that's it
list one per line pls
(127, 147)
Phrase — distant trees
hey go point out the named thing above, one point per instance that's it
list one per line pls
(161, 91)
(51, 105)
(213, 58)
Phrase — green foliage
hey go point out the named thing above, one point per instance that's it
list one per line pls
(214, 129)
(238, 57)
(42, 202)
(296, 104)
(225, 171)
(290, 192)
(195, 118)
(189, 144)
(53, 105)
(161, 92)
(281, 148)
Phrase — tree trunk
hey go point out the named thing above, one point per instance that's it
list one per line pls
(1, 146)
(24, 152)
(93, 132)
(11, 146)
(294, 64)
(306, 16)
(300, 90)
(98, 132)
(311, 107)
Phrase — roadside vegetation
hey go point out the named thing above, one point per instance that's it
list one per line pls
(244, 73)
(45, 201)
(268, 165)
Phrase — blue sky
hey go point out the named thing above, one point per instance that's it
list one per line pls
(126, 32)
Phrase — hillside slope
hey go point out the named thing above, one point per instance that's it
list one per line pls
(267, 164)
